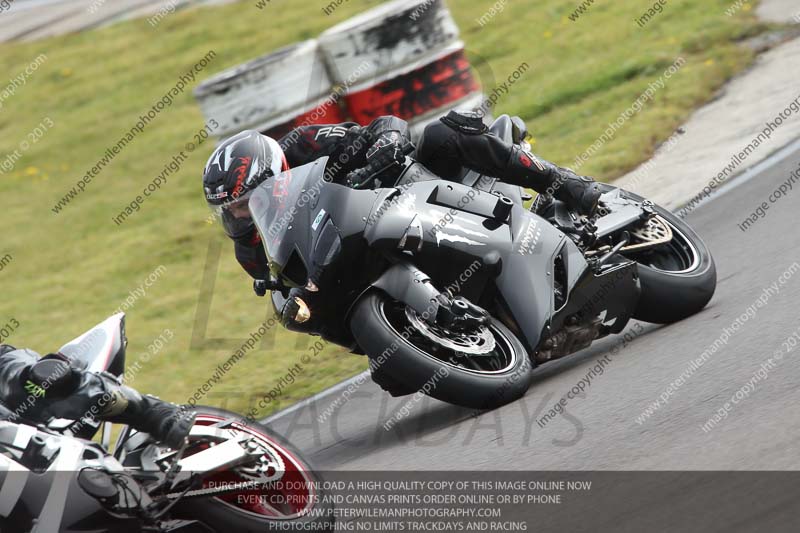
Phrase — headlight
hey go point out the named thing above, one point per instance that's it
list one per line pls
(303, 313)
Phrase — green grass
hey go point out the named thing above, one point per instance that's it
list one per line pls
(73, 269)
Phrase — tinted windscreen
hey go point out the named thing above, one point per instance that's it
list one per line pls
(281, 208)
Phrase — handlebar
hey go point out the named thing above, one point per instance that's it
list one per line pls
(261, 286)
(360, 178)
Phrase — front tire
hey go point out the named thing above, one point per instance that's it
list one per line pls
(415, 364)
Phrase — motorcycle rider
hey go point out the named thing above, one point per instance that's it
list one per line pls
(37, 389)
(458, 140)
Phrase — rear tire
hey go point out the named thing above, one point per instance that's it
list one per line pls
(671, 295)
(411, 368)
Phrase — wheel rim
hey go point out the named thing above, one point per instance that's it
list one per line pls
(679, 256)
(502, 358)
(296, 496)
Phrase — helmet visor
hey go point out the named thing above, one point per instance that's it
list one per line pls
(235, 216)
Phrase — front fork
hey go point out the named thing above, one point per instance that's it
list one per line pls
(406, 283)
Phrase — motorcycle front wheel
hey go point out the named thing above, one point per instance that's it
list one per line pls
(481, 370)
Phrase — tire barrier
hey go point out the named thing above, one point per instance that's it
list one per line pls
(413, 60)
(401, 58)
(430, 88)
(272, 93)
(388, 38)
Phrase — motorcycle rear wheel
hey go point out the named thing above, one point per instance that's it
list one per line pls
(678, 278)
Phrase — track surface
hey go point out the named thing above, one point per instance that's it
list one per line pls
(600, 431)
(29, 20)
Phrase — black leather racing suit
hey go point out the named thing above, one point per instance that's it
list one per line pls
(75, 394)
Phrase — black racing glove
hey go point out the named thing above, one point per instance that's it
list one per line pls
(54, 375)
(388, 151)
(390, 148)
(349, 153)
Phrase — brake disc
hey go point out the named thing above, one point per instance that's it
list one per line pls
(478, 342)
(654, 232)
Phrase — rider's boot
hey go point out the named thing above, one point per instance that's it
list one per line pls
(580, 193)
(164, 421)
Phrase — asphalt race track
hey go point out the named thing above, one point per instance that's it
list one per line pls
(752, 365)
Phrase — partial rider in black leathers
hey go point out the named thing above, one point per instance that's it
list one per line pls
(37, 389)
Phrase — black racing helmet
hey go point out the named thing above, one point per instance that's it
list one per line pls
(233, 171)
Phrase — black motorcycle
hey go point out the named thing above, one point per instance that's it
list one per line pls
(232, 475)
(455, 288)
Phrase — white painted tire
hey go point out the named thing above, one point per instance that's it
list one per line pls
(387, 38)
(265, 88)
